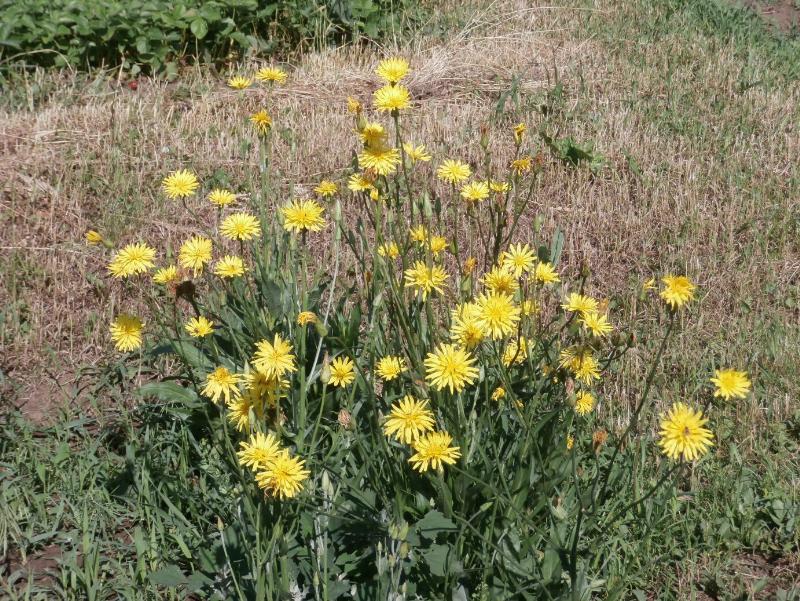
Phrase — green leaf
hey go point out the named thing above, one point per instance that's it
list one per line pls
(199, 28)
(168, 391)
(433, 523)
(169, 576)
(440, 560)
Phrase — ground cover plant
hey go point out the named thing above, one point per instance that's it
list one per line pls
(143, 515)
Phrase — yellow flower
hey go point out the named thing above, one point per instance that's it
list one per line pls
(581, 363)
(498, 394)
(453, 171)
(438, 244)
(354, 106)
(546, 274)
(418, 233)
(529, 307)
(578, 303)
(519, 132)
(469, 265)
(195, 253)
(683, 433)
(424, 280)
(391, 98)
(649, 285)
(416, 153)
(450, 367)
(199, 327)
(521, 165)
(326, 188)
(516, 352)
(241, 407)
(519, 259)
(271, 74)
(302, 215)
(678, 290)
(239, 83)
(126, 332)
(475, 191)
(409, 420)
(180, 184)
(359, 183)
(132, 260)
(342, 372)
(433, 450)
(240, 226)
(166, 275)
(221, 197)
(284, 476)
(373, 135)
(570, 442)
(389, 249)
(259, 451)
(230, 267)
(93, 238)
(499, 187)
(262, 122)
(392, 70)
(465, 326)
(584, 402)
(731, 384)
(222, 383)
(501, 279)
(383, 161)
(274, 359)
(306, 317)
(596, 323)
(497, 314)
(390, 367)
(266, 389)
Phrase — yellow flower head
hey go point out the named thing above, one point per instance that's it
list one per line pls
(258, 452)
(466, 327)
(475, 191)
(195, 253)
(469, 265)
(373, 135)
(529, 307)
(438, 244)
(221, 197)
(274, 359)
(342, 372)
(409, 420)
(222, 383)
(453, 171)
(499, 187)
(391, 98)
(451, 367)
(262, 122)
(416, 153)
(358, 182)
(326, 188)
(306, 317)
(501, 279)
(271, 74)
(522, 165)
(596, 323)
(731, 384)
(166, 275)
(389, 249)
(519, 132)
(390, 367)
(132, 260)
(240, 409)
(354, 106)
(240, 226)
(93, 238)
(382, 161)
(392, 70)
(519, 259)
(499, 394)
(239, 83)
(284, 476)
(264, 388)
(302, 215)
(230, 267)
(418, 233)
(516, 352)
(578, 303)
(433, 451)
(546, 274)
(584, 402)
(570, 442)
(126, 332)
(683, 433)
(199, 327)
(423, 279)
(581, 363)
(180, 184)
(497, 314)
(678, 290)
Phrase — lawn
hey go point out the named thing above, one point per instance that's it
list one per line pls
(668, 139)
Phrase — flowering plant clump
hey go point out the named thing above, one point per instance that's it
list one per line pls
(408, 412)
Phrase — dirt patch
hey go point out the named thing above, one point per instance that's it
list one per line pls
(783, 14)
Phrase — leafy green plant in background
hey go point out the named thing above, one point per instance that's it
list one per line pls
(157, 36)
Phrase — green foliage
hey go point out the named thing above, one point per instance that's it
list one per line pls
(157, 36)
